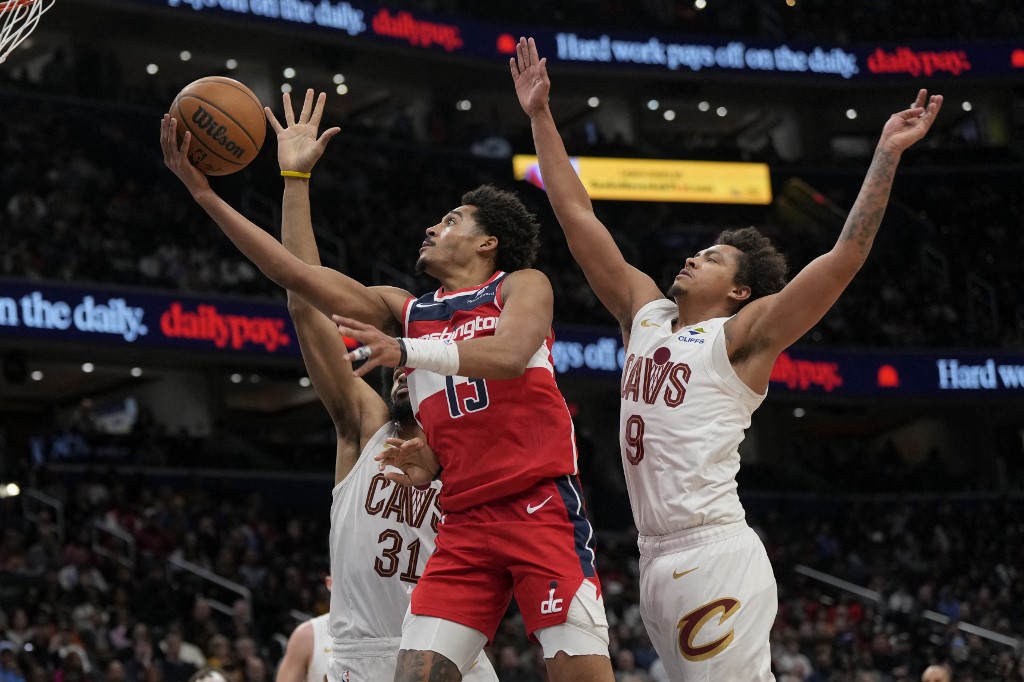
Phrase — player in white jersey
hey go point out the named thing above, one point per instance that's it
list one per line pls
(381, 533)
(696, 367)
(308, 652)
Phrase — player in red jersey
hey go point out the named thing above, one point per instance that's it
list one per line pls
(478, 355)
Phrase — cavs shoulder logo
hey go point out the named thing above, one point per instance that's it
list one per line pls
(690, 625)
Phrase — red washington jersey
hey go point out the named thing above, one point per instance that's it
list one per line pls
(493, 437)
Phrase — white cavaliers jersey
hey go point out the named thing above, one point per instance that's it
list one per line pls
(381, 536)
(316, 671)
(683, 414)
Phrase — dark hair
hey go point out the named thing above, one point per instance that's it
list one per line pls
(760, 265)
(501, 214)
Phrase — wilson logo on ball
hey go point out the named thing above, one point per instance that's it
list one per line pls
(206, 122)
(226, 121)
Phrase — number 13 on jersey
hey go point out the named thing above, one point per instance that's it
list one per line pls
(468, 395)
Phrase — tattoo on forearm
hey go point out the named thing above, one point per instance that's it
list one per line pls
(425, 666)
(869, 208)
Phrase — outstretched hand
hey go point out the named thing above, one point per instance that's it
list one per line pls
(383, 350)
(530, 74)
(907, 127)
(418, 464)
(176, 156)
(298, 147)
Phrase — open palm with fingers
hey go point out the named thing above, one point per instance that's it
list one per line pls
(298, 147)
(530, 74)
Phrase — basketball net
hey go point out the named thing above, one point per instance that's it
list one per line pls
(18, 18)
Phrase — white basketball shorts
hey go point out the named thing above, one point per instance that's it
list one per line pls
(708, 598)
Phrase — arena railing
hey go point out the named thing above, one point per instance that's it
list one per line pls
(1016, 643)
(983, 303)
(935, 266)
(105, 538)
(212, 578)
(34, 501)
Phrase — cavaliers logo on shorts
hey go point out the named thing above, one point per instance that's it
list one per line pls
(689, 626)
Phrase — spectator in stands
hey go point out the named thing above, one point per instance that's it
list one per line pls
(791, 664)
(72, 668)
(255, 670)
(10, 671)
(245, 648)
(20, 631)
(218, 653)
(142, 658)
(937, 673)
(510, 666)
(626, 670)
(173, 666)
(208, 674)
(114, 672)
(187, 651)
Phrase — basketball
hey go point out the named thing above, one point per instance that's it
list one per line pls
(226, 121)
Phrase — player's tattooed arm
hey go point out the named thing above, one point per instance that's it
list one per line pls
(772, 323)
(425, 666)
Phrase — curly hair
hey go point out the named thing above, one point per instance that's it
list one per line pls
(501, 214)
(760, 266)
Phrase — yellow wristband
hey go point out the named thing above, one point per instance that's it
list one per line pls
(295, 174)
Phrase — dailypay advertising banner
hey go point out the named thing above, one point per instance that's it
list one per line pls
(142, 318)
(356, 20)
(38, 310)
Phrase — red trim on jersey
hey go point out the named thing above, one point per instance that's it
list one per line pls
(499, 300)
(406, 307)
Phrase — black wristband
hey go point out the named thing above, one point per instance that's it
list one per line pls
(404, 356)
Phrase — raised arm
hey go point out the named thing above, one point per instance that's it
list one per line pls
(355, 408)
(622, 288)
(767, 326)
(524, 323)
(329, 290)
(297, 654)
(298, 150)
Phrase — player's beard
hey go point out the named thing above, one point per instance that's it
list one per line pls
(401, 410)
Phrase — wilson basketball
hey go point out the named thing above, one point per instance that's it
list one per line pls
(226, 121)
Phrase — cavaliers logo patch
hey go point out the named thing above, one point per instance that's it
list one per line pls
(689, 626)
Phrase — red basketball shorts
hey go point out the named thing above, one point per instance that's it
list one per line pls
(536, 545)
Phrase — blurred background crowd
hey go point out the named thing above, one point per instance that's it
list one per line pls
(889, 557)
(79, 605)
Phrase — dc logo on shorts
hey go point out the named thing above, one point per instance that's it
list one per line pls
(551, 605)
